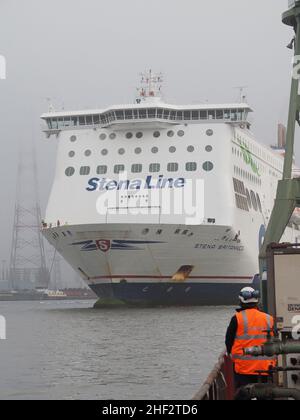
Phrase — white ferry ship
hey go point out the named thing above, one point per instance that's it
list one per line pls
(119, 168)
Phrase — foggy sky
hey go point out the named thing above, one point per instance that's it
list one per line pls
(89, 53)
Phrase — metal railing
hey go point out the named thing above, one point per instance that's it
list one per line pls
(219, 386)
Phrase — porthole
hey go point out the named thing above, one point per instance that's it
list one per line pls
(129, 135)
(170, 133)
(102, 136)
(71, 154)
(87, 153)
(156, 134)
(208, 166)
(136, 168)
(208, 149)
(180, 133)
(191, 166)
(138, 151)
(191, 149)
(139, 135)
(154, 167)
(145, 231)
(119, 169)
(173, 167)
(112, 136)
(209, 132)
(154, 150)
(85, 170)
(70, 171)
(172, 149)
(121, 151)
(104, 152)
(73, 138)
(102, 170)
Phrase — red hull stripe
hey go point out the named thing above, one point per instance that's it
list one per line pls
(170, 277)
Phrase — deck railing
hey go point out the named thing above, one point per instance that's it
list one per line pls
(219, 386)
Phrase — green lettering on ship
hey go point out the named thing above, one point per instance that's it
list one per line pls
(248, 158)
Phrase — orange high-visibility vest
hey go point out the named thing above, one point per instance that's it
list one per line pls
(252, 331)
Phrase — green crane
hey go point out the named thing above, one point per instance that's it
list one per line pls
(288, 190)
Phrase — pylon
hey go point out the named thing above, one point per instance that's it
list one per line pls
(28, 268)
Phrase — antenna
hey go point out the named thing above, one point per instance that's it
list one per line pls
(242, 96)
(151, 86)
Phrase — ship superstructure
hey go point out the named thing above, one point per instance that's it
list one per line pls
(161, 204)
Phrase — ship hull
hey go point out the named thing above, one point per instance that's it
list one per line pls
(183, 265)
(168, 294)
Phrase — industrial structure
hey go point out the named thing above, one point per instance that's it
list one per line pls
(27, 268)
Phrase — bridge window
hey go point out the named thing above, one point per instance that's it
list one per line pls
(81, 120)
(96, 119)
(136, 168)
(89, 120)
(120, 115)
(128, 114)
(70, 171)
(191, 166)
(85, 170)
(152, 113)
(101, 170)
(142, 114)
(154, 167)
(173, 167)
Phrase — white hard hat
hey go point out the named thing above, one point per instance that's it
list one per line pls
(249, 295)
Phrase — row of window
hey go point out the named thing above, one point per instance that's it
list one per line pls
(260, 152)
(109, 117)
(138, 151)
(247, 175)
(129, 135)
(138, 168)
(245, 199)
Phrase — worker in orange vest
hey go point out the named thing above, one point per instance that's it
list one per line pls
(248, 328)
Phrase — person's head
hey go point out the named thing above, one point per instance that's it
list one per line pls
(249, 297)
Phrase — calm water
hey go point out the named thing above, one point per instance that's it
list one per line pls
(66, 350)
